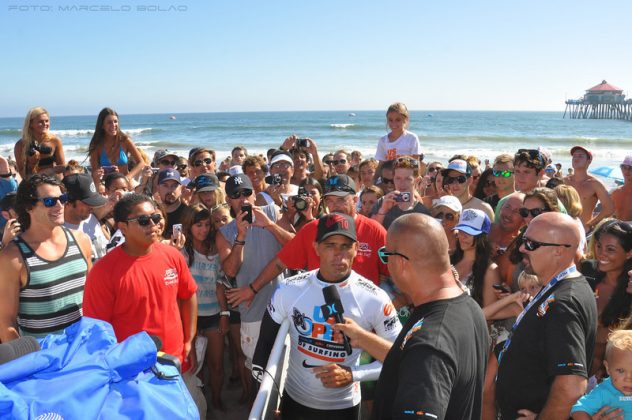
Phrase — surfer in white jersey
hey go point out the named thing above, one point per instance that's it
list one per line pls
(323, 373)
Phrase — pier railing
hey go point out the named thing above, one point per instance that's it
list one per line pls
(580, 109)
(273, 380)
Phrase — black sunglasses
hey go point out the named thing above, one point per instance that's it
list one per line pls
(387, 181)
(384, 254)
(340, 161)
(531, 245)
(201, 162)
(52, 201)
(328, 162)
(447, 216)
(242, 193)
(168, 162)
(623, 168)
(524, 212)
(433, 169)
(7, 175)
(182, 167)
(461, 179)
(143, 220)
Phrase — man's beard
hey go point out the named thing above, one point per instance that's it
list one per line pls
(170, 199)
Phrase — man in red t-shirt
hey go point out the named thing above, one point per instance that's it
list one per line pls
(144, 285)
(299, 254)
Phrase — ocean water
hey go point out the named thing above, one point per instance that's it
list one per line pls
(441, 133)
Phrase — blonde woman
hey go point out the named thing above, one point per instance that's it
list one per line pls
(38, 150)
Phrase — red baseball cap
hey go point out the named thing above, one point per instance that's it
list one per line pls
(583, 149)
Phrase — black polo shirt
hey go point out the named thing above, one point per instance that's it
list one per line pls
(436, 366)
(556, 337)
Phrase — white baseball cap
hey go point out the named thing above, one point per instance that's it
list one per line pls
(448, 201)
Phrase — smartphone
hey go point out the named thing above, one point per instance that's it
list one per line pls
(109, 169)
(402, 197)
(302, 142)
(177, 230)
(501, 288)
(248, 210)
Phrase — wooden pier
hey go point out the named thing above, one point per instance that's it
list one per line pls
(603, 101)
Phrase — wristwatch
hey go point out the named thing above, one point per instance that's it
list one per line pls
(224, 313)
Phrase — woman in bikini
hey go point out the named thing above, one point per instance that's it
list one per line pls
(38, 150)
(110, 149)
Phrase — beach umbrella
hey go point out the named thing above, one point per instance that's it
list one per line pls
(612, 172)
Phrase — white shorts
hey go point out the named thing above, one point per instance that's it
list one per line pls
(249, 333)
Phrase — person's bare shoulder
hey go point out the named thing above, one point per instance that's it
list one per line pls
(11, 262)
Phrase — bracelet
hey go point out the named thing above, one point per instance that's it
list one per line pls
(252, 288)
(237, 242)
(224, 313)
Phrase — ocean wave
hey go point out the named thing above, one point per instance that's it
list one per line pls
(11, 132)
(88, 132)
(342, 125)
(527, 139)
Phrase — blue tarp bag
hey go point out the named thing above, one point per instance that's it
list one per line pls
(85, 374)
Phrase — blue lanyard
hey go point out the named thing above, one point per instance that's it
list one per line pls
(560, 276)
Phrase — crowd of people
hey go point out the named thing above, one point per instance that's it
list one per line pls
(475, 289)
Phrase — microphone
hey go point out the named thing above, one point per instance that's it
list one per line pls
(333, 307)
(18, 348)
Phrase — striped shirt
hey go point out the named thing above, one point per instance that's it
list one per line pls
(53, 295)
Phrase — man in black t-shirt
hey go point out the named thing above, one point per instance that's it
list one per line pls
(436, 367)
(544, 366)
(170, 191)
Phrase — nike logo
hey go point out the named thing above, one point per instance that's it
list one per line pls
(308, 366)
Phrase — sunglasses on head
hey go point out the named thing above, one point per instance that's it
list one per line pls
(461, 179)
(143, 220)
(534, 154)
(524, 212)
(504, 173)
(447, 216)
(413, 162)
(531, 245)
(168, 162)
(201, 162)
(52, 201)
(242, 193)
(384, 255)
(7, 175)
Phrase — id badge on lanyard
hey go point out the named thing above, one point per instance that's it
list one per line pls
(562, 275)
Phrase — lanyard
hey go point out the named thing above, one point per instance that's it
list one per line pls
(560, 276)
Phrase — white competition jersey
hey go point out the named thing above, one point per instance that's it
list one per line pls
(299, 298)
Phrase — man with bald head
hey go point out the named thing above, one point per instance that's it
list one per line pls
(545, 362)
(435, 368)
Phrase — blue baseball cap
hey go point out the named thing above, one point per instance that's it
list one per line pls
(168, 174)
(474, 222)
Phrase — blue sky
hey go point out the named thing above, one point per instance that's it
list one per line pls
(317, 55)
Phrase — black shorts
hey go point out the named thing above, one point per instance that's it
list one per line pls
(291, 410)
(211, 323)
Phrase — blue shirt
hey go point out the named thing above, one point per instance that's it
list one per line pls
(604, 394)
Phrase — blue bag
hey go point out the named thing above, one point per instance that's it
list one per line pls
(84, 374)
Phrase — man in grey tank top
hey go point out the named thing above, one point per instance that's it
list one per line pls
(245, 248)
(47, 265)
